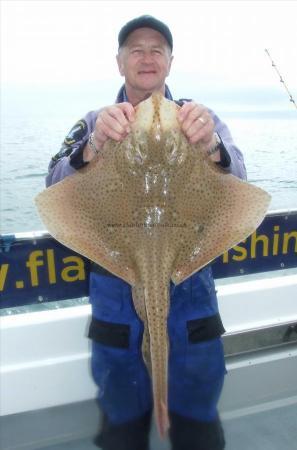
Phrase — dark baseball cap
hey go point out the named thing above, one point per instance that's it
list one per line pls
(145, 22)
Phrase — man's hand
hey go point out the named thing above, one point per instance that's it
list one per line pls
(112, 122)
(198, 126)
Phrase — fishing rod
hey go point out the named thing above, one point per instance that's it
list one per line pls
(281, 79)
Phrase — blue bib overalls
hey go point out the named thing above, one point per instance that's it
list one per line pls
(196, 366)
(196, 363)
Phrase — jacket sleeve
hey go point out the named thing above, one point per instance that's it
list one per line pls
(232, 158)
(70, 157)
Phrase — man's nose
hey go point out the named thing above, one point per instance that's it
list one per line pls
(147, 57)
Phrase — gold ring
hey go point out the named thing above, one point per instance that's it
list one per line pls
(202, 120)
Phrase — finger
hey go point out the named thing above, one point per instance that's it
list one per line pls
(128, 110)
(123, 112)
(203, 121)
(186, 110)
(197, 117)
(115, 119)
(202, 127)
(192, 127)
(192, 121)
(203, 134)
(104, 132)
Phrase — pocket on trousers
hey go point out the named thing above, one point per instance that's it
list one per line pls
(205, 359)
(204, 329)
(205, 362)
(110, 334)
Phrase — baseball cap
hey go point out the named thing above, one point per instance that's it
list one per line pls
(148, 22)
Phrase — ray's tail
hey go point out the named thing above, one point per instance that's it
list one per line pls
(155, 347)
(159, 359)
(162, 418)
(157, 303)
(154, 262)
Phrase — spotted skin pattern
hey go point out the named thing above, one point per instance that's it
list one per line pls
(149, 209)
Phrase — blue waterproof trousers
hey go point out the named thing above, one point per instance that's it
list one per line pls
(196, 365)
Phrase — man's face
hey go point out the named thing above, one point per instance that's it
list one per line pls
(145, 60)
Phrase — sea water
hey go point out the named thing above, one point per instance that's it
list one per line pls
(34, 123)
(32, 132)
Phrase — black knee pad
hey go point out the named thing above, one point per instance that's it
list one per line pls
(190, 434)
(132, 435)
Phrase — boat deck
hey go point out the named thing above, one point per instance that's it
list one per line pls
(274, 429)
(44, 368)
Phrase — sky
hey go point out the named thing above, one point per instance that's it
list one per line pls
(218, 47)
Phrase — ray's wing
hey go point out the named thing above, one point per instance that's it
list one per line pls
(219, 212)
(85, 212)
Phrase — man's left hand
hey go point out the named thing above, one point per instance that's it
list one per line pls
(198, 126)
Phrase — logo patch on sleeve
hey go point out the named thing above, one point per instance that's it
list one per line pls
(76, 133)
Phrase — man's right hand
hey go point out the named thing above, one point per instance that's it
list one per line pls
(113, 122)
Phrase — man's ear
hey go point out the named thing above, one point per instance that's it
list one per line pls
(120, 64)
(169, 65)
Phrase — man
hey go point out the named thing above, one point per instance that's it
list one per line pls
(196, 363)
